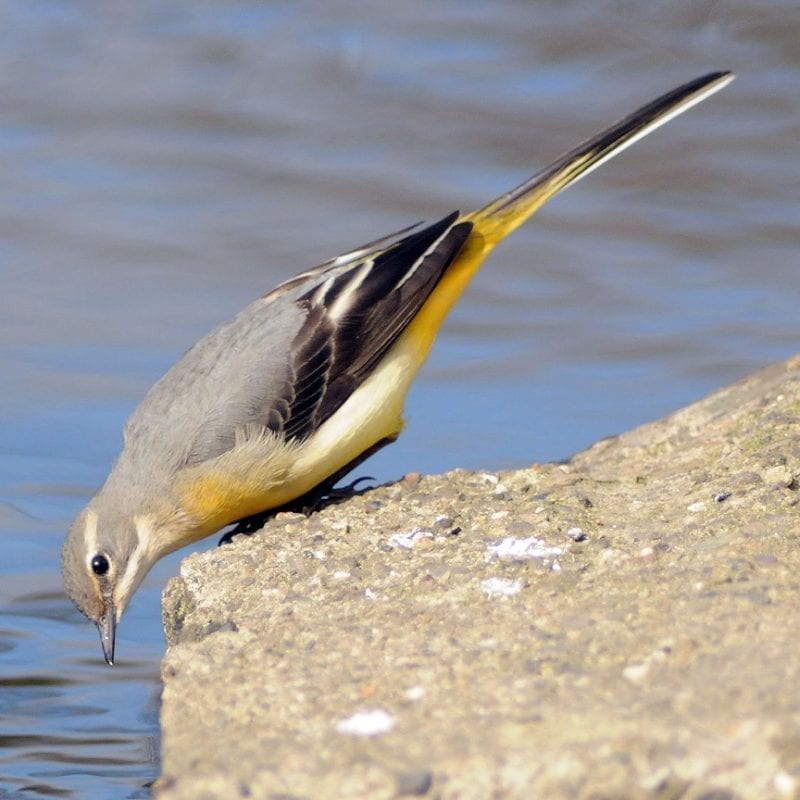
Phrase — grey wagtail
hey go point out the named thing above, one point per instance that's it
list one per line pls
(275, 405)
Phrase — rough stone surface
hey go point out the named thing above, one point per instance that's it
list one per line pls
(635, 636)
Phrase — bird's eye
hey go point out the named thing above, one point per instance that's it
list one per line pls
(99, 564)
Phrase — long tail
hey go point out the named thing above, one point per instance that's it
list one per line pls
(496, 220)
(503, 215)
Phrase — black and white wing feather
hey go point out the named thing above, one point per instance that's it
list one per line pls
(353, 317)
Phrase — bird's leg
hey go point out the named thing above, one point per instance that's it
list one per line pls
(248, 525)
(338, 493)
(321, 495)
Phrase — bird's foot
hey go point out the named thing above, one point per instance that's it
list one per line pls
(308, 504)
(247, 526)
(338, 493)
(321, 497)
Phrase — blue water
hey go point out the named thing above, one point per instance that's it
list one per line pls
(163, 164)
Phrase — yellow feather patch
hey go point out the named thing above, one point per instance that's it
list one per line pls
(248, 478)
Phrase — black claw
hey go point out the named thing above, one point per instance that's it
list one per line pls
(227, 538)
(247, 526)
(348, 490)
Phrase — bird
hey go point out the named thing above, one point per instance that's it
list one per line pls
(276, 405)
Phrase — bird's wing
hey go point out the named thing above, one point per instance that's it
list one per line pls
(359, 254)
(353, 316)
(289, 360)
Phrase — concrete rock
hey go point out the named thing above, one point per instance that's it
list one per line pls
(653, 655)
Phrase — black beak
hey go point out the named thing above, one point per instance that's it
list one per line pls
(107, 626)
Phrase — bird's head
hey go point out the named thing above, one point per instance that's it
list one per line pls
(104, 559)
